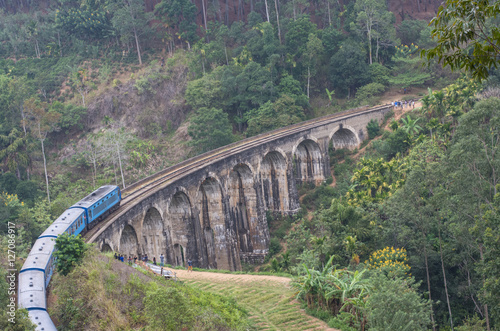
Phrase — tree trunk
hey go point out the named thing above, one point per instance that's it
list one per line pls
(429, 284)
(444, 280)
(24, 119)
(120, 162)
(308, 79)
(267, 10)
(204, 16)
(83, 96)
(95, 169)
(329, 15)
(370, 45)
(277, 19)
(486, 317)
(37, 49)
(138, 48)
(59, 43)
(226, 14)
(45, 169)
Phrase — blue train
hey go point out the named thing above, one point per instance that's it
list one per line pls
(37, 270)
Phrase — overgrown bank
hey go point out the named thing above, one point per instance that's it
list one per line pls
(104, 294)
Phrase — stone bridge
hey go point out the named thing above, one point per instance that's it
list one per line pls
(215, 214)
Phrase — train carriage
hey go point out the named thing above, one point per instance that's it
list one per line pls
(72, 221)
(42, 320)
(99, 203)
(41, 259)
(32, 293)
(34, 276)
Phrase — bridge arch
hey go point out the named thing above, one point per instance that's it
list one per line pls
(183, 234)
(344, 136)
(243, 204)
(308, 161)
(129, 245)
(274, 181)
(153, 234)
(213, 223)
(106, 248)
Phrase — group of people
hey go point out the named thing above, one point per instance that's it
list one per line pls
(405, 104)
(130, 258)
(145, 259)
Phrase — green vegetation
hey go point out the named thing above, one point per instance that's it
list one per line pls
(269, 302)
(69, 252)
(12, 319)
(92, 92)
(427, 188)
(473, 23)
(104, 294)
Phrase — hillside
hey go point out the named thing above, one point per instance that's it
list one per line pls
(402, 236)
(105, 294)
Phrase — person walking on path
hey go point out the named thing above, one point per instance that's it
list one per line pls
(162, 259)
(190, 265)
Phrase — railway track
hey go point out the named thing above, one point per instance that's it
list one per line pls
(151, 184)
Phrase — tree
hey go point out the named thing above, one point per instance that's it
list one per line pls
(210, 129)
(466, 37)
(113, 143)
(314, 50)
(14, 154)
(395, 304)
(270, 116)
(369, 13)
(41, 123)
(410, 125)
(475, 164)
(79, 81)
(179, 14)
(130, 18)
(348, 68)
(69, 252)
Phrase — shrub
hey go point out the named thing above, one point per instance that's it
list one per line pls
(395, 304)
(274, 246)
(180, 313)
(69, 252)
(373, 129)
(370, 90)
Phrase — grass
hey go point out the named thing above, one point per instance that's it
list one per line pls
(270, 305)
(264, 273)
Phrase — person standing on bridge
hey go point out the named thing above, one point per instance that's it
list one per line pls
(162, 259)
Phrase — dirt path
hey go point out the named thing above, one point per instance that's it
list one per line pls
(269, 300)
(398, 113)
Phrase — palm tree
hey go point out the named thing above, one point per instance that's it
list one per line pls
(410, 126)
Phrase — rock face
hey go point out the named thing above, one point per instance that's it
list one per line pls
(215, 214)
(157, 106)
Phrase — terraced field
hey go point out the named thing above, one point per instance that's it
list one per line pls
(268, 299)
